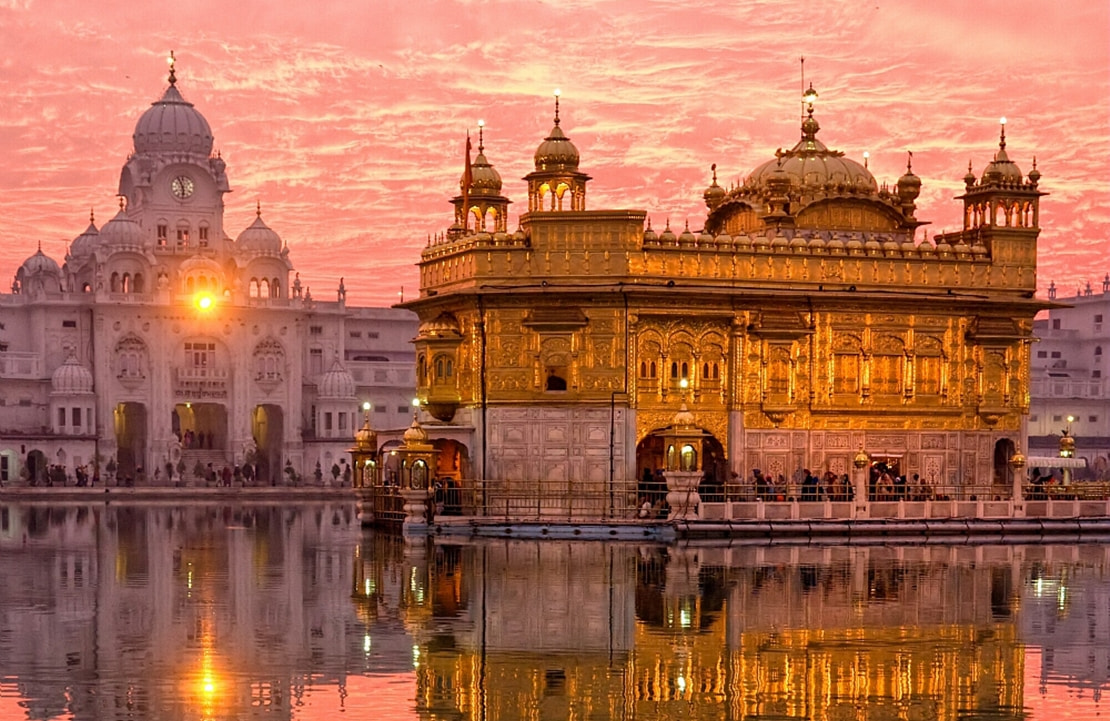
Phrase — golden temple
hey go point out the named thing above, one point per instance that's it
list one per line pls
(806, 320)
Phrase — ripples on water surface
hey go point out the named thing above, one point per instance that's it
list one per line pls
(260, 611)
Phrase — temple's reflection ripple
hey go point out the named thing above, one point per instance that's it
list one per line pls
(198, 612)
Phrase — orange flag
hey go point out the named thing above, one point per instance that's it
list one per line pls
(467, 179)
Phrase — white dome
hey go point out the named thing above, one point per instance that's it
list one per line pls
(83, 245)
(259, 238)
(39, 263)
(71, 377)
(172, 125)
(337, 383)
(121, 232)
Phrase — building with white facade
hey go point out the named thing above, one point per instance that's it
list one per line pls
(1070, 370)
(162, 343)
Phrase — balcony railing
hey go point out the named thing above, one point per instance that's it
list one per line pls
(1068, 388)
(20, 365)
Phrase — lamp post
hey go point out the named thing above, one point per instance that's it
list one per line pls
(862, 462)
(1067, 449)
(366, 477)
(418, 460)
(682, 459)
(1017, 462)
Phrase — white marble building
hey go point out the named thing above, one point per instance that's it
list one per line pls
(163, 343)
(1070, 376)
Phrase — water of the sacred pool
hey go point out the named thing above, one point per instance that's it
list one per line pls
(206, 611)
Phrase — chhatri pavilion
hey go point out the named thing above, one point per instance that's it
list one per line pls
(808, 319)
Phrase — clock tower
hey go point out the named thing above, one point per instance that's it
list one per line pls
(172, 183)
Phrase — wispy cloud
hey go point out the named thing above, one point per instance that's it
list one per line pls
(347, 119)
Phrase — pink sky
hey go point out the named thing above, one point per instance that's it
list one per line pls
(347, 119)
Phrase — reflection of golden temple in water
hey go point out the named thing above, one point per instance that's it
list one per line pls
(532, 630)
(136, 612)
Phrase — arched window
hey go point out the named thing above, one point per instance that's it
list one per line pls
(113, 283)
(674, 369)
(643, 369)
(441, 369)
(1098, 350)
(125, 283)
(652, 369)
(716, 371)
(705, 370)
(275, 288)
(422, 370)
(264, 288)
(685, 370)
(138, 283)
(253, 288)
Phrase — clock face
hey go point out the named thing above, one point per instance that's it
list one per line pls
(182, 187)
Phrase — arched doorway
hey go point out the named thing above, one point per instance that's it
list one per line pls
(1003, 475)
(200, 426)
(268, 429)
(36, 468)
(453, 460)
(130, 425)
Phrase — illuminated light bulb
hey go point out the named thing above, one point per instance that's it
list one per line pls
(1002, 120)
(481, 123)
(366, 405)
(558, 92)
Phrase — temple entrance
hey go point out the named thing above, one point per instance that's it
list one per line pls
(130, 426)
(36, 468)
(200, 426)
(267, 430)
(650, 463)
(1003, 476)
(453, 460)
(881, 484)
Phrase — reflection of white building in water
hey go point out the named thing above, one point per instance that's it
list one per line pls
(161, 338)
(156, 613)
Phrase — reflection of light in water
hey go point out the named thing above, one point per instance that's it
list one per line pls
(366, 587)
(366, 643)
(416, 657)
(681, 682)
(684, 618)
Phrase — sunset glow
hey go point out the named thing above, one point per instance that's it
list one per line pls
(348, 121)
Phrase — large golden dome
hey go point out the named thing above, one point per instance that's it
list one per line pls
(810, 165)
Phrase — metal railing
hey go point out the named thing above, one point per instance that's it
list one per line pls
(578, 501)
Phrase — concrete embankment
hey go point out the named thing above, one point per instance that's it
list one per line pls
(946, 530)
(72, 495)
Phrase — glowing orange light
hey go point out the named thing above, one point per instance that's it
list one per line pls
(204, 302)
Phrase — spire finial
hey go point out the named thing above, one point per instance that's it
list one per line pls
(172, 60)
(258, 208)
(866, 158)
(558, 92)
(481, 139)
(909, 162)
(92, 214)
(121, 203)
(713, 167)
(1034, 162)
(1002, 135)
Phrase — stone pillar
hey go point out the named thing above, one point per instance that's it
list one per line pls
(682, 494)
(1017, 495)
(416, 511)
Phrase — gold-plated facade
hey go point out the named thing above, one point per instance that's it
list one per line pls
(807, 317)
